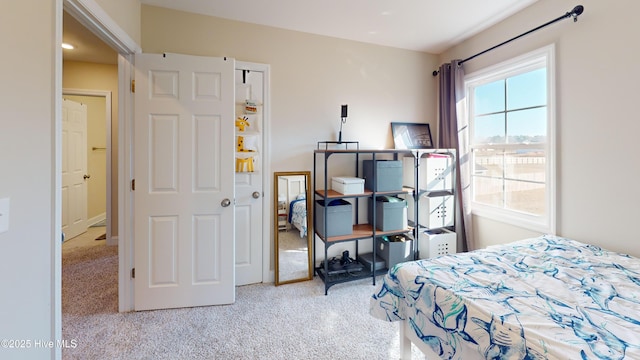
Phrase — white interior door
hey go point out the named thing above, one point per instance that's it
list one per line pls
(74, 168)
(184, 181)
(249, 187)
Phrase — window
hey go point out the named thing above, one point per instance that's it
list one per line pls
(511, 117)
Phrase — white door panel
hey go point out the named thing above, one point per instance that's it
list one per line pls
(184, 236)
(243, 231)
(74, 168)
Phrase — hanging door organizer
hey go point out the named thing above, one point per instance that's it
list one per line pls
(248, 137)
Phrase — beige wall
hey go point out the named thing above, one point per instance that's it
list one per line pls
(597, 75)
(27, 155)
(126, 13)
(30, 116)
(91, 76)
(311, 76)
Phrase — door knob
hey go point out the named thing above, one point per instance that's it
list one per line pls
(256, 194)
(86, 176)
(225, 202)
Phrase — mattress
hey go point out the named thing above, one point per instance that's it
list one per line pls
(542, 298)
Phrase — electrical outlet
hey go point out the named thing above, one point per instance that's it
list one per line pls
(4, 215)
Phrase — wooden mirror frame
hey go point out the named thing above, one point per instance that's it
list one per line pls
(276, 229)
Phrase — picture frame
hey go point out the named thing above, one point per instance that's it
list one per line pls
(411, 135)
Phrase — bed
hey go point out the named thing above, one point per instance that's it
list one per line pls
(298, 214)
(293, 190)
(541, 298)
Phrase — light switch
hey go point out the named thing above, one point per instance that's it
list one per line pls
(4, 215)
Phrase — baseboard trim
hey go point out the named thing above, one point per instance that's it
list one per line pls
(96, 219)
(112, 241)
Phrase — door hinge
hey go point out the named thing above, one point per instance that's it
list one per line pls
(133, 86)
(133, 185)
(133, 273)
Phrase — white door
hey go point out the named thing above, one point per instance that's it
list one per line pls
(74, 168)
(184, 174)
(249, 190)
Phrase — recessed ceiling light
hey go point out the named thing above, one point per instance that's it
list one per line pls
(67, 46)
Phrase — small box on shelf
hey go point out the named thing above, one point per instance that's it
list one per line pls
(347, 185)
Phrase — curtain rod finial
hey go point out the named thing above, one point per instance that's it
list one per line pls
(577, 11)
(435, 73)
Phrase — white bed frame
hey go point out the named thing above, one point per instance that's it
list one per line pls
(294, 186)
(408, 337)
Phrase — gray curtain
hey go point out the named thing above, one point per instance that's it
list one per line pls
(453, 132)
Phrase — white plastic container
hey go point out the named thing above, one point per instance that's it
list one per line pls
(347, 185)
(436, 243)
(433, 212)
(435, 172)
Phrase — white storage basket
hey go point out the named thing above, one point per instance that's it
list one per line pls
(437, 243)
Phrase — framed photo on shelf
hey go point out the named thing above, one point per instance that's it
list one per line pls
(411, 135)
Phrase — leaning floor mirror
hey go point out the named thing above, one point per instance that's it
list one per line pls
(292, 230)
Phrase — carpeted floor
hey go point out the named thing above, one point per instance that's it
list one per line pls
(294, 321)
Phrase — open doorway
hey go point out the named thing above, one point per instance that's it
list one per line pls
(90, 77)
(91, 21)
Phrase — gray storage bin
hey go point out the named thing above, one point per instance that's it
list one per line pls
(394, 252)
(388, 175)
(370, 264)
(391, 213)
(339, 218)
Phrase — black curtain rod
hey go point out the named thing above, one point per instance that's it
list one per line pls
(573, 13)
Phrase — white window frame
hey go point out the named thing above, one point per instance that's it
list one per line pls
(543, 57)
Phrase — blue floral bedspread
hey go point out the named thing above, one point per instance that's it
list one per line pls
(298, 215)
(541, 298)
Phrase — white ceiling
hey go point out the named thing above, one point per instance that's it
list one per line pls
(423, 25)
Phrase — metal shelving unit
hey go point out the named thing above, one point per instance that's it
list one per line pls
(359, 231)
(438, 192)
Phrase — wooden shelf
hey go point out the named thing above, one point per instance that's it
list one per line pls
(332, 194)
(362, 231)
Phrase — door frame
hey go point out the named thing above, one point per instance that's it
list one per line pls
(268, 274)
(108, 121)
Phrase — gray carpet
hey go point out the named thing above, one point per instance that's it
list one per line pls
(294, 321)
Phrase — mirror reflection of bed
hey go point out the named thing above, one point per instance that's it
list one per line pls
(291, 235)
